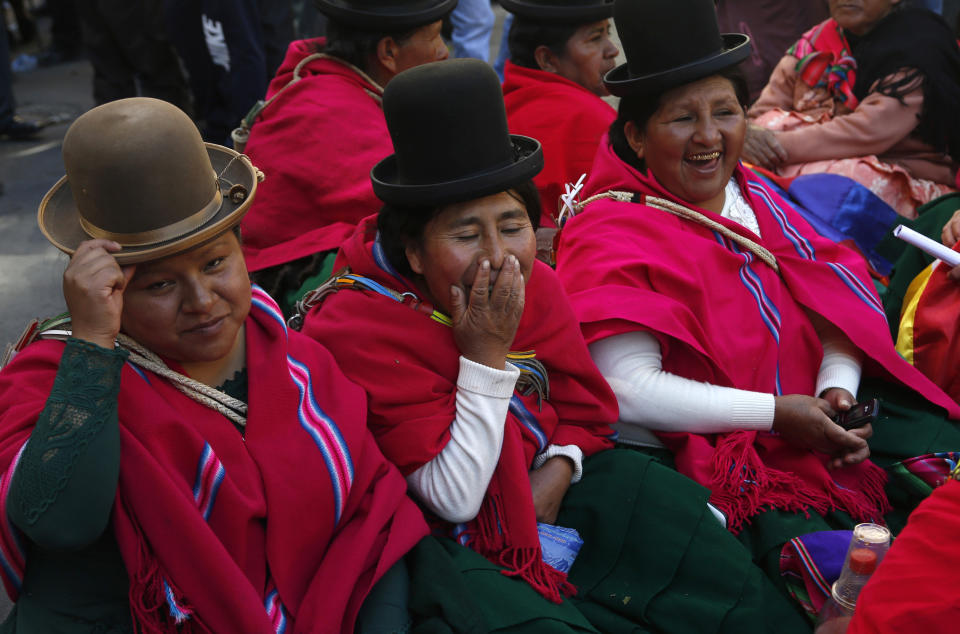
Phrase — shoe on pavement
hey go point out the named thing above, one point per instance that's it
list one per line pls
(19, 129)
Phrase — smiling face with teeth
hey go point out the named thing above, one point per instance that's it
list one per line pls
(692, 142)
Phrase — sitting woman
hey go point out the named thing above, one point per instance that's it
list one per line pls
(722, 322)
(553, 84)
(872, 94)
(153, 479)
(482, 391)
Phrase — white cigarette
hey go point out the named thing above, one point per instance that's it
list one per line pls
(927, 245)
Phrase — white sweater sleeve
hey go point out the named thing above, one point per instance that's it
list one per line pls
(453, 484)
(654, 399)
(842, 361)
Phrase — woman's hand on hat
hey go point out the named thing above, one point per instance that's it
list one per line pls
(761, 148)
(485, 323)
(805, 421)
(93, 286)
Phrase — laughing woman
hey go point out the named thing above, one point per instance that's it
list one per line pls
(723, 323)
(153, 479)
(482, 391)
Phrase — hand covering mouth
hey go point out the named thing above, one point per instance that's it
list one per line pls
(704, 156)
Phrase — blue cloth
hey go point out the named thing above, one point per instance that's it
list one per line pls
(504, 53)
(841, 209)
(473, 22)
(559, 545)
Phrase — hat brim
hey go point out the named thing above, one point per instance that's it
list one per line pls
(394, 18)
(559, 13)
(59, 217)
(386, 185)
(736, 48)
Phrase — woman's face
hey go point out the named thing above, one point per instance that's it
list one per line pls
(860, 16)
(190, 307)
(424, 46)
(462, 235)
(692, 142)
(588, 56)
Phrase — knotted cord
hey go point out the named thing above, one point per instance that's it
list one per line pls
(234, 409)
(684, 212)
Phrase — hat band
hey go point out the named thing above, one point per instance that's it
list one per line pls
(163, 234)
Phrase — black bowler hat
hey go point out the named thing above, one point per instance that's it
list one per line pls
(669, 43)
(385, 15)
(450, 137)
(560, 11)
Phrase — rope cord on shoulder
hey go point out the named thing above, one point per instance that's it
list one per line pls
(533, 374)
(234, 409)
(241, 134)
(682, 211)
(59, 328)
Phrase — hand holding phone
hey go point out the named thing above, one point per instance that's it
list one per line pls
(859, 415)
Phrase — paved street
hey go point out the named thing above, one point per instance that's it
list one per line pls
(30, 268)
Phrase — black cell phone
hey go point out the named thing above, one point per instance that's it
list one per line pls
(859, 415)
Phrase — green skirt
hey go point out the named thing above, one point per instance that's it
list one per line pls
(654, 559)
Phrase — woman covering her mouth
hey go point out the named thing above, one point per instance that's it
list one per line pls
(489, 402)
(156, 478)
(730, 332)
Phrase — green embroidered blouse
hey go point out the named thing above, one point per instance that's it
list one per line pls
(62, 496)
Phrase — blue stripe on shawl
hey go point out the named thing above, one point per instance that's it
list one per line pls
(858, 288)
(800, 243)
(528, 420)
(341, 482)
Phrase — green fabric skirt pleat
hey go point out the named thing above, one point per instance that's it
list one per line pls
(655, 555)
(654, 559)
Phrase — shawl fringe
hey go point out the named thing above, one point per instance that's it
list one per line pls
(489, 540)
(156, 605)
(743, 486)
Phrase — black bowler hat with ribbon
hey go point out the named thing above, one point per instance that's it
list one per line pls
(385, 15)
(560, 11)
(669, 43)
(450, 137)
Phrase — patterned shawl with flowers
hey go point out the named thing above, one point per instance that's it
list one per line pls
(825, 61)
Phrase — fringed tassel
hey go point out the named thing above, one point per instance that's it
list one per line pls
(868, 502)
(155, 605)
(489, 537)
(178, 611)
(528, 564)
(743, 486)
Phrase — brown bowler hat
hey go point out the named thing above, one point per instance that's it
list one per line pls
(138, 173)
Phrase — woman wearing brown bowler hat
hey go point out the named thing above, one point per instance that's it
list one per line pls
(482, 391)
(153, 479)
(730, 331)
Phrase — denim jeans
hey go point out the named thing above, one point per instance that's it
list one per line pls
(504, 53)
(472, 25)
